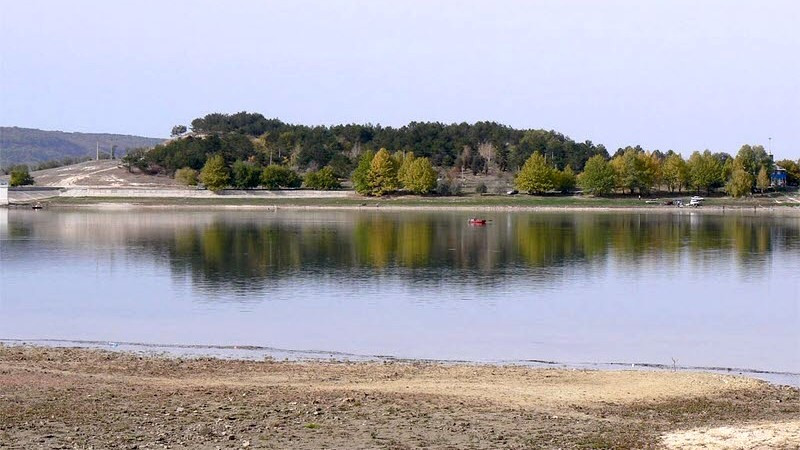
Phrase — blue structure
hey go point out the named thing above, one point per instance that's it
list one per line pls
(778, 177)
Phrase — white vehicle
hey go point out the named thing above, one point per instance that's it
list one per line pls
(697, 199)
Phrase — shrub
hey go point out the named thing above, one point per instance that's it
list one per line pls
(565, 180)
(186, 176)
(323, 179)
(20, 177)
(448, 186)
(341, 165)
(276, 177)
(246, 175)
(481, 188)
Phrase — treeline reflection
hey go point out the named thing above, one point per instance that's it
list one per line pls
(251, 251)
(427, 247)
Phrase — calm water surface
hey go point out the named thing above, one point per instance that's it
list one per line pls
(577, 287)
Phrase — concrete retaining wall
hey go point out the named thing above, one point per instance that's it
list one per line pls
(197, 193)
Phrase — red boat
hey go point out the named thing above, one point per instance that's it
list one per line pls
(476, 221)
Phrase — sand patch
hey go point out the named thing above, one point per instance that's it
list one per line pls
(764, 435)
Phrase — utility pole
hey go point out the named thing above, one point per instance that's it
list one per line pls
(97, 150)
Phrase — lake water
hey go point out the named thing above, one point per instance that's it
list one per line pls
(695, 290)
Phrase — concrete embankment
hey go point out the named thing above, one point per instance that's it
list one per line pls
(198, 193)
(27, 194)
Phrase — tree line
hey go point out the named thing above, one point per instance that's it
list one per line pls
(475, 147)
(634, 170)
(543, 161)
(377, 174)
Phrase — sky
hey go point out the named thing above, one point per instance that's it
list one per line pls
(681, 75)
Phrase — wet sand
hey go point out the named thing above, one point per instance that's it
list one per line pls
(83, 398)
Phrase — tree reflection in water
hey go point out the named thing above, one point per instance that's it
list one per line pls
(434, 247)
(247, 251)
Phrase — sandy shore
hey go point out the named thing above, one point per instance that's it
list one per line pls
(79, 398)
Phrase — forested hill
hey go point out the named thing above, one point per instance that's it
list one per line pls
(31, 146)
(469, 146)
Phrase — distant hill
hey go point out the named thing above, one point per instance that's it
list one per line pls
(31, 146)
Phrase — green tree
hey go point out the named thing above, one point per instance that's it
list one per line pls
(186, 176)
(535, 176)
(359, 176)
(674, 172)
(19, 176)
(214, 174)
(740, 183)
(705, 171)
(792, 170)
(420, 176)
(245, 175)
(727, 169)
(264, 147)
(399, 157)
(178, 130)
(762, 180)
(135, 157)
(323, 179)
(652, 174)
(631, 168)
(597, 177)
(341, 165)
(405, 162)
(276, 177)
(566, 180)
(382, 175)
(751, 158)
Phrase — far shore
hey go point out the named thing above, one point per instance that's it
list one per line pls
(466, 203)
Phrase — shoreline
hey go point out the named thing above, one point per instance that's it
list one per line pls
(87, 397)
(461, 204)
(259, 353)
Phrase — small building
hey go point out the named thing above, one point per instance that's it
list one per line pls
(3, 194)
(778, 178)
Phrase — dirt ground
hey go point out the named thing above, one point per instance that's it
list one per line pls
(78, 398)
(109, 173)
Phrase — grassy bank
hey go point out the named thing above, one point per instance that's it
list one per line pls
(78, 398)
(466, 201)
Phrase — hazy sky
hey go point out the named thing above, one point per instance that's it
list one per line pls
(683, 75)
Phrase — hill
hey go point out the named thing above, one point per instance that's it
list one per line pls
(106, 172)
(31, 146)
